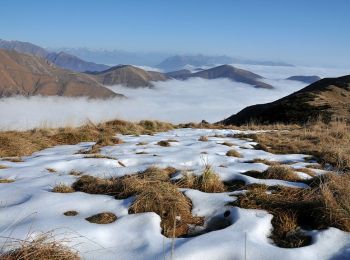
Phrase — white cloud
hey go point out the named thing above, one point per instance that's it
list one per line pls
(173, 101)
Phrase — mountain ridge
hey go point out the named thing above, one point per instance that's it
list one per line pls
(326, 99)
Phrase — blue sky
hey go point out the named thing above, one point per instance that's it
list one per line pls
(313, 32)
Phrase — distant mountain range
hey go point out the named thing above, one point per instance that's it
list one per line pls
(61, 59)
(224, 71)
(28, 75)
(327, 99)
(180, 62)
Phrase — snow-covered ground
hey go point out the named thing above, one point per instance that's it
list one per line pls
(28, 206)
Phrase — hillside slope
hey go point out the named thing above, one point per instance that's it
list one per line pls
(327, 98)
(129, 76)
(23, 74)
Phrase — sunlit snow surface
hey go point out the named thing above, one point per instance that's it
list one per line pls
(27, 206)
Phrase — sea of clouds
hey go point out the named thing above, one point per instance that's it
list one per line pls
(174, 101)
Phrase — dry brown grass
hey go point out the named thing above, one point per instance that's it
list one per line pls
(42, 248)
(164, 143)
(70, 213)
(62, 188)
(102, 218)
(98, 156)
(233, 153)
(209, 181)
(52, 170)
(203, 138)
(326, 203)
(14, 143)
(153, 192)
(6, 180)
(329, 143)
(280, 172)
(170, 204)
(3, 167)
(142, 143)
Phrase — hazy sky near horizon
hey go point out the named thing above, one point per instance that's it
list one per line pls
(311, 32)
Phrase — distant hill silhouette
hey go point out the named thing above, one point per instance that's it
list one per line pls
(305, 79)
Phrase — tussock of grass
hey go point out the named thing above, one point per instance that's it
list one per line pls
(325, 204)
(142, 143)
(6, 180)
(203, 138)
(15, 143)
(280, 172)
(3, 167)
(164, 143)
(43, 248)
(277, 172)
(153, 192)
(170, 204)
(102, 218)
(233, 153)
(52, 170)
(70, 213)
(62, 188)
(209, 181)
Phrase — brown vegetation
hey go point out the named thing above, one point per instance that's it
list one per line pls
(14, 143)
(209, 181)
(153, 192)
(62, 188)
(102, 218)
(329, 143)
(326, 203)
(233, 153)
(43, 248)
(164, 143)
(70, 213)
(6, 180)
(277, 172)
(203, 138)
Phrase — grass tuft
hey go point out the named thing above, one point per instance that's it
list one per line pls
(102, 218)
(63, 188)
(70, 213)
(203, 138)
(42, 248)
(233, 153)
(164, 143)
